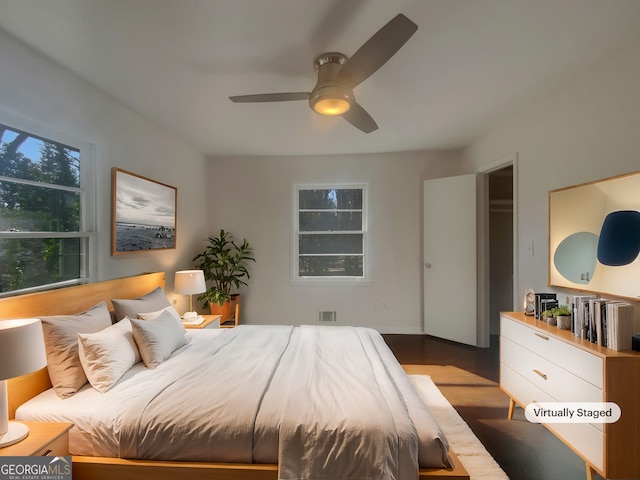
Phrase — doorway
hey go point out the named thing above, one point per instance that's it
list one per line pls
(500, 220)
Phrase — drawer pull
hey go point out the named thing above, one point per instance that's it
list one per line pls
(538, 372)
(544, 337)
(46, 453)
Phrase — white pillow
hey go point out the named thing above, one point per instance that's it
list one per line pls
(174, 313)
(108, 354)
(61, 343)
(157, 338)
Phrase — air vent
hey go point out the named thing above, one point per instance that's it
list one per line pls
(325, 317)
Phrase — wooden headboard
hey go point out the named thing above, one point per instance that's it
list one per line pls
(66, 301)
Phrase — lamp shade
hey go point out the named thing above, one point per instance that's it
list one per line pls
(21, 347)
(619, 242)
(21, 352)
(187, 282)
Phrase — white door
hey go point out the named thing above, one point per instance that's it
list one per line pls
(450, 267)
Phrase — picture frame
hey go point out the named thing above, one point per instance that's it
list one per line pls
(579, 242)
(143, 214)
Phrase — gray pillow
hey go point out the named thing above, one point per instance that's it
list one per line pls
(151, 302)
(61, 345)
(157, 338)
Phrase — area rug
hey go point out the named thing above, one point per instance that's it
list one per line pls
(475, 458)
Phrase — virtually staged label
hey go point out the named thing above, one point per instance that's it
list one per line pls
(572, 412)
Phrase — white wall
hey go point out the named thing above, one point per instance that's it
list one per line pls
(251, 197)
(586, 130)
(38, 90)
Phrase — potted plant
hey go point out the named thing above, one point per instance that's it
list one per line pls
(549, 317)
(224, 263)
(563, 317)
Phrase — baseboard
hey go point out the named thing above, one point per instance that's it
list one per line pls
(393, 329)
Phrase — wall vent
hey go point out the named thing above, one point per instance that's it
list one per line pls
(327, 316)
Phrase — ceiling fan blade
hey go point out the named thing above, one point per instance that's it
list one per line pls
(270, 97)
(359, 118)
(376, 51)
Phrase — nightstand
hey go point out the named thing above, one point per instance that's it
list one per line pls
(44, 439)
(210, 321)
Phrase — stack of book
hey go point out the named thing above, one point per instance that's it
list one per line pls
(604, 322)
(544, 301)
(620, 328)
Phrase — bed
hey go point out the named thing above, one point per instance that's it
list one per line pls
(286, 436)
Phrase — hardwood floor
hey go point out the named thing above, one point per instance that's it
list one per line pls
(469, 378)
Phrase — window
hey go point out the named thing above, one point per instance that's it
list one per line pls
(45, 212)
(330, 228)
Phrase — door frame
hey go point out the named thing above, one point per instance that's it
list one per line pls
(484, 320)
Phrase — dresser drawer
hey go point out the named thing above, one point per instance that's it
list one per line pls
(584, 438)
(575, 360)
(560, 384)
(520, 388)
(57, 448)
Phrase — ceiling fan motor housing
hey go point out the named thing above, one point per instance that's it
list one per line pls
(328, 97)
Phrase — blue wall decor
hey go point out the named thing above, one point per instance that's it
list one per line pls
(619, 242)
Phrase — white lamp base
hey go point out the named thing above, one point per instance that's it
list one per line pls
(17, 432)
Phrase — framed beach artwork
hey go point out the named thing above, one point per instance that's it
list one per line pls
(143, 214)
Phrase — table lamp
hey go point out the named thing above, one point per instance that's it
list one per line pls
(188, 282)
(21, 352)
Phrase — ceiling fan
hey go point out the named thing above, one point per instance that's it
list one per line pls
(339, 75)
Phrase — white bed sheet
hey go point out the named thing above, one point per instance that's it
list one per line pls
(95, 415)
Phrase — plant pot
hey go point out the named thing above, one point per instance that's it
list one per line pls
(564, 322)
(552, 321)
(226, 311)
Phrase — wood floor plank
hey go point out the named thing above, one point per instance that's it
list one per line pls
(469, 378)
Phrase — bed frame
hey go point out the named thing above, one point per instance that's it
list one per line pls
(75, 299)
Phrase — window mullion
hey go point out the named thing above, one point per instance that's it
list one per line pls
(34, 183)
(45, 234)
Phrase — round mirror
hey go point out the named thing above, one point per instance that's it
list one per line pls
(575, 257)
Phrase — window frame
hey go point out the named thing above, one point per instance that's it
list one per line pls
(296, 279)
(87, 232)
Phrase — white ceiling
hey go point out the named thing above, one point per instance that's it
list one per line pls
(471, 63)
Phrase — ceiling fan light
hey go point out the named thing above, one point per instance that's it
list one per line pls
(331, 99)
(331, 106)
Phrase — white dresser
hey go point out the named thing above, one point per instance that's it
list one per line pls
(541, 363)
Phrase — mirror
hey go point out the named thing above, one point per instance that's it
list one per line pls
(594, 236)
(575, 257)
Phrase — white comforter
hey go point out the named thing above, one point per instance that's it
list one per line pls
(322, 402)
